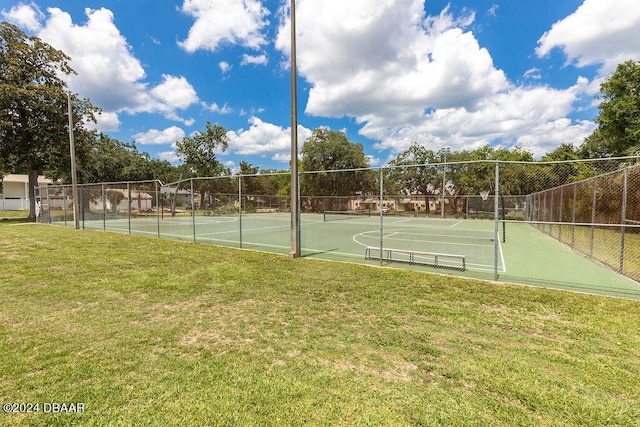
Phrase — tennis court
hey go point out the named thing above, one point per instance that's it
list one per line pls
(522, 254)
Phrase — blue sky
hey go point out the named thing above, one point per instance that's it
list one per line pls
(455, 74)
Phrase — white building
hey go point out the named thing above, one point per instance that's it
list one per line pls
(14, 193)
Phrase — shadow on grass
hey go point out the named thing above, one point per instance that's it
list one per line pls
(17, 220)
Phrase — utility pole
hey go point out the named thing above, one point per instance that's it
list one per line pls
(74, 177)
(295, 185)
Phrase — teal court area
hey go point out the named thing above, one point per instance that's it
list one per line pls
(522, 254)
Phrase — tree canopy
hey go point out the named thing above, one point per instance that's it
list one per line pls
(34, 106)
(618, 132)
(199, 151)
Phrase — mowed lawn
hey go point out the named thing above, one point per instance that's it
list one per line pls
(142, 331)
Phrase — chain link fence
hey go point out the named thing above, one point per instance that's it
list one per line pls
(573, 225)
(598, 217)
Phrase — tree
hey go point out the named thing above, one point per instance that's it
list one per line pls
(106, 159)
(618, 132)
(407, 177)
(199, 155)
(199, 151)
(328, 150)
(571, 171)
(33, 105)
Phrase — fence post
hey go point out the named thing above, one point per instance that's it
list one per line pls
(573, 217)
(496, 216)
(381, 217)
(157, 208)
(623, 220)
(129, 206)
(193, 211)
(551, 196)
(561, 221)
(104, 210)
(81, 205)
(64, 205)
(240, 207)
(593, 216)
(48, 204)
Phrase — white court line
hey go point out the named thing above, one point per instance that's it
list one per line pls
(475, 266)
(504, 266)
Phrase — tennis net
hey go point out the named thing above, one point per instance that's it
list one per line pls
(346, 214)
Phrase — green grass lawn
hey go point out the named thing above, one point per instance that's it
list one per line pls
(143, 331)
(14, 217)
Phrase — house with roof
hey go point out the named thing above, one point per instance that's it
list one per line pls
(14, 191)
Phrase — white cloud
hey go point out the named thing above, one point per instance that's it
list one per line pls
(25, 15)
(215, 108)
(265, 139)
(533, 73)
(598, 32)
(154, 136)
(532, 117)
(106, 122)
(175, 92)
(169, 156)
(225, 67)
(225, 21)
(107, 70)
(254, 59)
(388, 59)
(406, 76)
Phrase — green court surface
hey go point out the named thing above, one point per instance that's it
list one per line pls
(526, 256)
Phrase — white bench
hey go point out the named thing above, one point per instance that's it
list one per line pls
(415, 257)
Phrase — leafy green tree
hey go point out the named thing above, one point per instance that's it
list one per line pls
(199, 151)
(101, 158)
(33, 106)
(110, 160)
(413, 172)
(328, 150)
(563, 173)
(199, 155)
(279, 182)
(618, 132)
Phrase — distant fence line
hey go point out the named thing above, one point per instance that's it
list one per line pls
(579, 203)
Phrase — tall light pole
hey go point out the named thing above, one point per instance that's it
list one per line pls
(295, 185)
(74, 178)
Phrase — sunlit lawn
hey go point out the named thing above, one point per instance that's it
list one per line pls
(154, 332)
